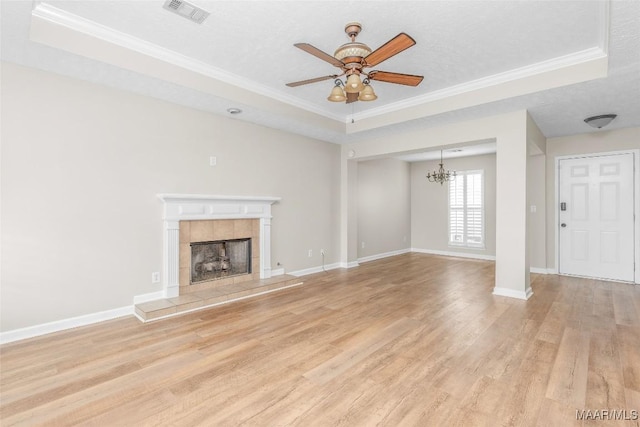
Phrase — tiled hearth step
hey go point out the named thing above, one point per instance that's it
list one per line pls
(154, 310)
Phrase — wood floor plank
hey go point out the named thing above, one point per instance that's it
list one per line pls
(408, 340)
(568, 382)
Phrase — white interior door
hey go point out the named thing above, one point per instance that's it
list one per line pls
(596, 217)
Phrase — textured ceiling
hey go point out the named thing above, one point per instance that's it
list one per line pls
(486, 52)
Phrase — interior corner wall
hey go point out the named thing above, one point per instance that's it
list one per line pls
(384, 207)
(430, 201)
(536, 201)
(78, 158)
(588, 143)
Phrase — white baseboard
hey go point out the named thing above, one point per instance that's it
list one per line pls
(277, 271)
(383, 255)
(313, 270)
(61, 325)
(351, 264)
(455, 254)
(539, 270)
(512, 293)
(151, 296)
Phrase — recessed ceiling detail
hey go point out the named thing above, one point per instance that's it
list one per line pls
(560, 60)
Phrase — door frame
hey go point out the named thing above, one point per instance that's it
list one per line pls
(636, 203)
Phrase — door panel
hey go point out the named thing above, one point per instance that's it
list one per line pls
(597, 237)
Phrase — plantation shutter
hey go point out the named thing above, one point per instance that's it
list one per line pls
(466, 209)
(456, 211)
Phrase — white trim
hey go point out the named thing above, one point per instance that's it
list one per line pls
(540, 270)
(277, 271)
(350, 264)
(151, 296)
(82, 25)
(217, 304)
(384, 255)
(604, 279)
(494, 80)
(314, 270)
(636, 178)
(512, 293)
(455, 254)
(64, 324)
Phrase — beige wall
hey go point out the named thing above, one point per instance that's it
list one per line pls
(384, 206)
(429, 205)
(595, 142)
(81, 167)
(536, 200)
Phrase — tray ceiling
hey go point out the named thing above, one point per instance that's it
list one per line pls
(561, 60)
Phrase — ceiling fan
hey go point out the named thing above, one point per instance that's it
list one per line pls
(352, 58)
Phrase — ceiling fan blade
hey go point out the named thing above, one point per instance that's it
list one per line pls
(306, 82)
(398, 78)
(351, 97)
(394, 46)
(319, 54)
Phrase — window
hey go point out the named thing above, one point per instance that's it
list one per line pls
(466, 209)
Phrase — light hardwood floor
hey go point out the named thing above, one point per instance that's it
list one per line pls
(412, 340)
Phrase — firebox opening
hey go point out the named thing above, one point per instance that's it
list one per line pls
(220, 259)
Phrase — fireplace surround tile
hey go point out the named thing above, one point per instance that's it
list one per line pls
(210, 297)
(185, 232)
(187, 302)
(243, 227)
(223, 229)
(185, 256)
(202, 231)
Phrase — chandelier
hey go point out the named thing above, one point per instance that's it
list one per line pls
(441, 175)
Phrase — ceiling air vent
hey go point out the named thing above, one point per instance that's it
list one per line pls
(186, 10)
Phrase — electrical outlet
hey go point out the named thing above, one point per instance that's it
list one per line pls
(362, 245)
(155, 277)
(213, 160)
(310, 253)
(322, 252)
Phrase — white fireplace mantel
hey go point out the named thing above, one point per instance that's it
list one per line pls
(190, 207)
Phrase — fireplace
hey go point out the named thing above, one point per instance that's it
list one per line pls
(195, 218)
(220, 259)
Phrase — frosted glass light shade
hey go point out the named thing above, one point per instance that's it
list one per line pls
(354, 84)
(367, 94)
(337, 95)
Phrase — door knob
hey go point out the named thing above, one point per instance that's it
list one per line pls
(563, 225)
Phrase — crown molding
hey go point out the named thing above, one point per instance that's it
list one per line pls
(494, 80)
(431, 103)
(74, 22)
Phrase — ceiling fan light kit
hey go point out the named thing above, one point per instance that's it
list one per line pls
(352, 58)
